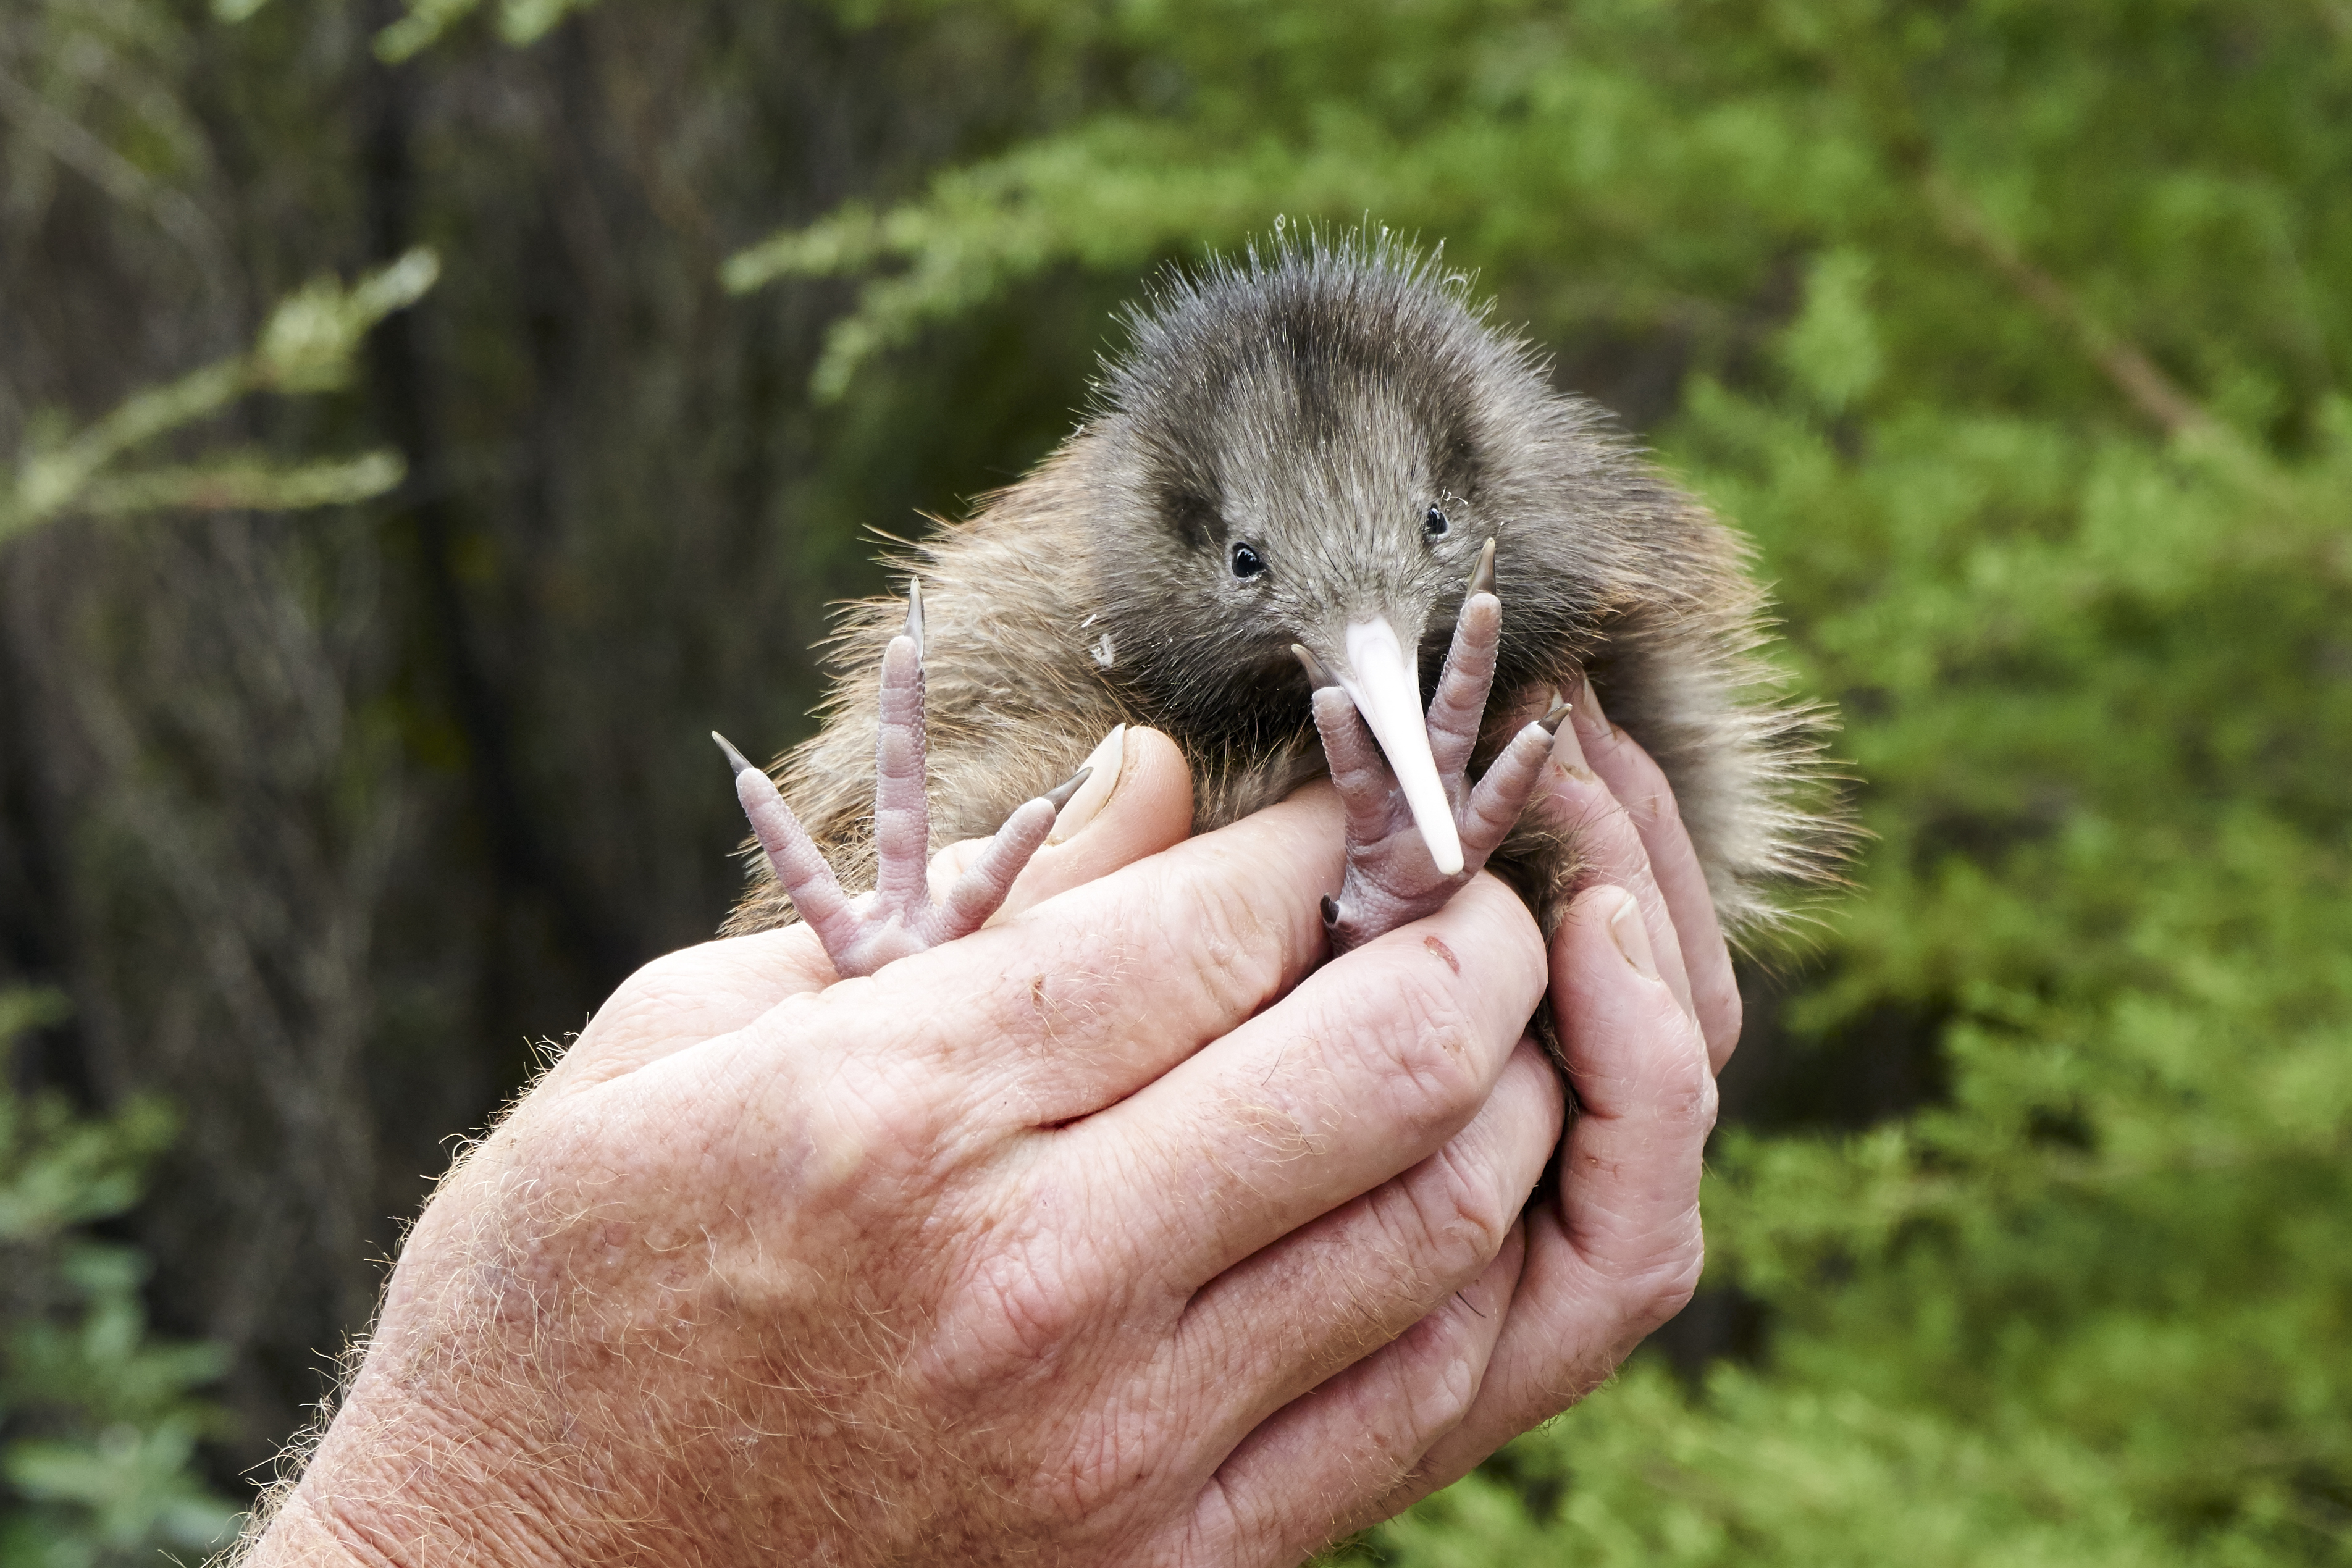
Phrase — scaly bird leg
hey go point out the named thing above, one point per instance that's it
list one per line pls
(861, 934)
(1390, 878)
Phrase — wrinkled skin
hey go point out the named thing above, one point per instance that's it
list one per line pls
(1120, 1231)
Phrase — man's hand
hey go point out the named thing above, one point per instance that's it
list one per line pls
(1117, 1232)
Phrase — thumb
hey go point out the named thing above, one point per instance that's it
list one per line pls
(1147, 808)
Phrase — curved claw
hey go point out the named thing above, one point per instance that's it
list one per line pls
(1482, 577)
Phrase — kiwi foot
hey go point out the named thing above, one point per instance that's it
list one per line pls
(863, 932)
(1391, 875)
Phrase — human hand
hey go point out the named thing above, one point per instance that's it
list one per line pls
(1648, 1010)
(1111, 1231)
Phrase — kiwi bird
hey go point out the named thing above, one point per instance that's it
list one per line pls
(1318, 508)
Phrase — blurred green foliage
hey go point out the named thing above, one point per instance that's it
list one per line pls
(307, 345)
(2016, 336)
(98, 1422)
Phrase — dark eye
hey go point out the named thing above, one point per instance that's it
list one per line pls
(1247, 562)
(1433, 523)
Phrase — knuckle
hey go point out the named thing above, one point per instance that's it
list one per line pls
(1691, 1099)
(1423, 1046)
(898, 1100)
(1676, 1091)
(1652, 1295)
(1658, 1279)
(1107, 1458)
(1232, 946)
(1442, 1383)
(1022, 1309)
(1460, 1218)
(669, 983)
(1224, 1527)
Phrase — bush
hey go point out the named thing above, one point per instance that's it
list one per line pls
(98, 1420)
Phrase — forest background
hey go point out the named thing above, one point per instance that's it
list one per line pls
(418, 426)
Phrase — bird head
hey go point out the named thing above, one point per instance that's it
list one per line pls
(1314, 449)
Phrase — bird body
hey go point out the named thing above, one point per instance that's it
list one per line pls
(1308, 450)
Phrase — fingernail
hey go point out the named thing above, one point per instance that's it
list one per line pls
(1631, 936)
(1588, 716)
(1107, 760)
(1566, 749)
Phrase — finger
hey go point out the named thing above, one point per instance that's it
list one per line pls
(1572, 797)
(1147, 808)
(1325, 1465)
(696, 994)
(1618, 1250)
(1327, 1295)
(1081, 1000)
(1367, 1067)
(1641, 787)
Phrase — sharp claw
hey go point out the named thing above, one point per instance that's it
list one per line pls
(1330, 910)
(1549, 723)
(1059, 795)
(915, 612)
(1483, 579)
(1317, 675)
(735, 760)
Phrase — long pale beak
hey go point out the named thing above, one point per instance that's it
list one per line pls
(1385, 680)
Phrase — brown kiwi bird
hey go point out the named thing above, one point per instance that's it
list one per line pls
(1300, 502)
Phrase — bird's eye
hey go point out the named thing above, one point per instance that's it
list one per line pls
(1433, 523)
(1247, 562)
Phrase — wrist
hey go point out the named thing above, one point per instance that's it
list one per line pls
(396, 1484)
